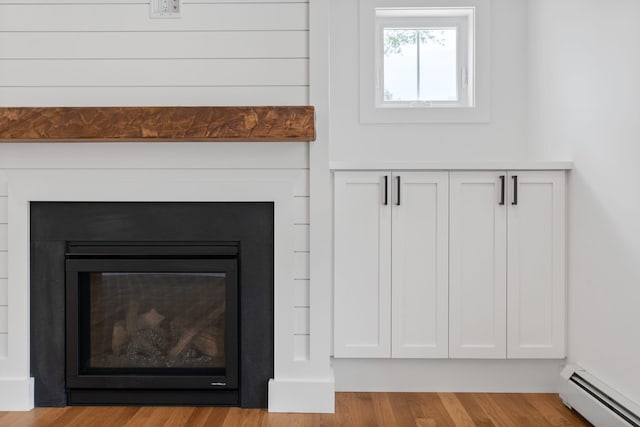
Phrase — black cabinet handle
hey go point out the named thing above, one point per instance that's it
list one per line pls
(386, 190)
(515, 190)
(398, 200)
(501, 190)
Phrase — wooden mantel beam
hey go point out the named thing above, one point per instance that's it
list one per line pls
(152, 124)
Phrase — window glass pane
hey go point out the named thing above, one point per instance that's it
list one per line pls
(400, 65)
(438, 66)
(420, 64)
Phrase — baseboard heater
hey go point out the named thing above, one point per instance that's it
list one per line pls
(597, 402)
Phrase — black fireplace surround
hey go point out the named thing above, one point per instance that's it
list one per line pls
(83, 251)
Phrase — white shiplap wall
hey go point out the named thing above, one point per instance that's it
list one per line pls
(3, 270)
(109, 52)
(87, 52)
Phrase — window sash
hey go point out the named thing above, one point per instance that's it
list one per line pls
(385, 19)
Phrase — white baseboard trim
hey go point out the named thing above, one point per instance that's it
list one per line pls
(447, 375)
(302, 396)
(16, 394)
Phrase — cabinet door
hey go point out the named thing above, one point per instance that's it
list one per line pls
(420, 224)
(536, 265)
(477, 265)
(362, 298)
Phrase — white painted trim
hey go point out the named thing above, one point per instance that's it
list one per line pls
(16, 394)
(447, 375)
(302, 396)
(498, 165)
(151, 185)
(164, 155)
(479, 113)
(320, 243)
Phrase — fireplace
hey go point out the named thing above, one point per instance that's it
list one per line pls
(152, 303)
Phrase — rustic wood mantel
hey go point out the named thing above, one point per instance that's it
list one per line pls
(153, 124)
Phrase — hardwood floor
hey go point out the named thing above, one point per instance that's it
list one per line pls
(352, 410)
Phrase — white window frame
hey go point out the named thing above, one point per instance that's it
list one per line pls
(464, 52)
(470, 17)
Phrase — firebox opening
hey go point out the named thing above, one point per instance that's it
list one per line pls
(144, 316)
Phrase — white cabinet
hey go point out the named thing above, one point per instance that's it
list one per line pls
(419, 265)
(391, 264)
(460, 264)
(362, 267)
(507, 264)
(478, 266)
(536, 266)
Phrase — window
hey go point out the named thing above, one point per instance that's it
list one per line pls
(423, 56)
(426, 63)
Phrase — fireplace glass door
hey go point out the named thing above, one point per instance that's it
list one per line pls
(149, 322)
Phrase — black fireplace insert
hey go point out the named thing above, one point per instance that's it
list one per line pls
(151, 303)
(141, 316)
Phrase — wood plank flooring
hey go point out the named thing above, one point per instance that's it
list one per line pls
(352, 410)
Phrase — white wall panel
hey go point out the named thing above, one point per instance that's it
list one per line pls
(4, 320)
(142, 1)
(4, 188)
(301, 238)
(301, 320)
(302, 184)
(301, 207)
(4, 295)
(301, 265)
(301, 347)
(51, 96)
(4, 212)
(4, 270)
(160, 72)
(300, 298)
(3, 237)
(4, 345)
(135, 17)
(186, 155)
(141, 45)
